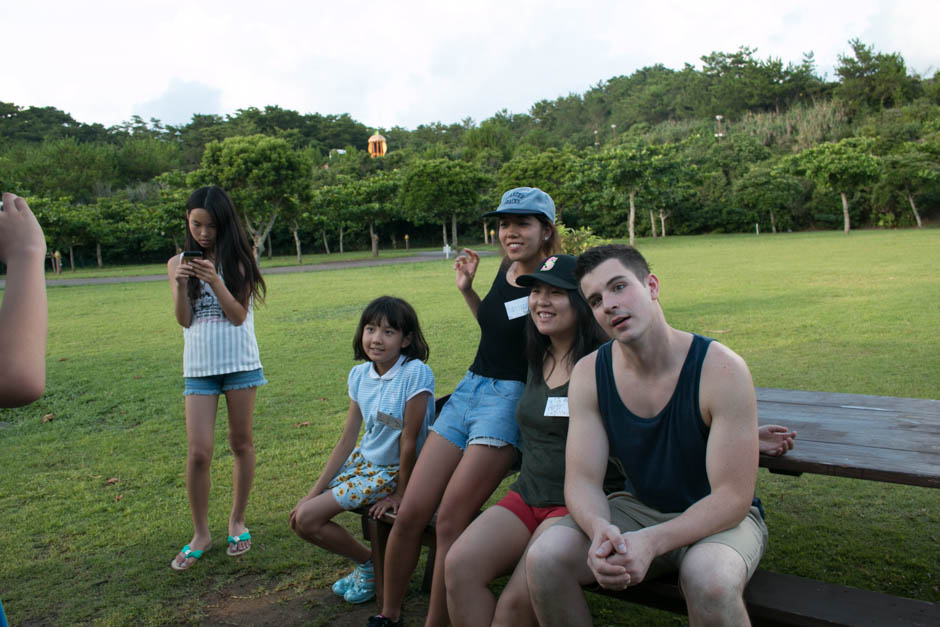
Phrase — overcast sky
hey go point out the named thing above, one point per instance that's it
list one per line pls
(405, 62)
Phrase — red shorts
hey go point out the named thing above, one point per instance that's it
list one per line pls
(530, 516)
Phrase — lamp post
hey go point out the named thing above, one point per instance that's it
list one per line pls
(719, 134)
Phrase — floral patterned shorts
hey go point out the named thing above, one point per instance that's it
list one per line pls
(360, 482)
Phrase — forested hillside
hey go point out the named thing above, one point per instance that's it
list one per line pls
(736, 143)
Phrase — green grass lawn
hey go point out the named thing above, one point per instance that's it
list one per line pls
(93, 504)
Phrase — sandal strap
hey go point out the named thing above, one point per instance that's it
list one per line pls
(241, 538)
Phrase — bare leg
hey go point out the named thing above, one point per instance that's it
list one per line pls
(556, 568)
(479, 472)
(515, 606)
(313, 522)
(200, 425)
(241, 409)
(713, 577)
(429, 478)
(487, 549)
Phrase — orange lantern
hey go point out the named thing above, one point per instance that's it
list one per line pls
(377, 145)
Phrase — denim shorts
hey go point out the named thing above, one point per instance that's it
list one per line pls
(480, 408)
(216, 384)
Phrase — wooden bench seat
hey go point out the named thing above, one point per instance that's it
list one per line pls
(771, 598)
(780, 599)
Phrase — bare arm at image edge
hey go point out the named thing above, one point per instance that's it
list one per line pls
(23, 314)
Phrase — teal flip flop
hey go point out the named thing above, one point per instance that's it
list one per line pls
(188, 553)
(233, 544)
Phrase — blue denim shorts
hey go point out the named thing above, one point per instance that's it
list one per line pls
(216, 384)
(480, 408)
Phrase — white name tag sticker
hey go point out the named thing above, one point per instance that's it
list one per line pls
(517, 308)
(391, 421)
(556, 406)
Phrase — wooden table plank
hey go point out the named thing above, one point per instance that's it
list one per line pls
(921, 405)
(878, 438)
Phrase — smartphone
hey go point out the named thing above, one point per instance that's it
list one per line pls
(191, 254)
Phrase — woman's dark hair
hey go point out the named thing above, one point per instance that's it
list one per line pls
(399, 315)
(234, 258)
(587, 337)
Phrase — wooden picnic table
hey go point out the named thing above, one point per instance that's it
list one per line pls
(876, 438)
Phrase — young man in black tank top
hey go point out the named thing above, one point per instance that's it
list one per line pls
(667, 389)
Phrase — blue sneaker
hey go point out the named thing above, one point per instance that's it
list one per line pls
(363, 587)
(344, 584)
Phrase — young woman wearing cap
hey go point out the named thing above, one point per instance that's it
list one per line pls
(560, 330)
(473, 442)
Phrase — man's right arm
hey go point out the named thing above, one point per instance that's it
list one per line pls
(586, 453)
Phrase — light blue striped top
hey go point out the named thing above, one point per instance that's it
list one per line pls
(382, 400)
(212, 345)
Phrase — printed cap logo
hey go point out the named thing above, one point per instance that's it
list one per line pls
(549, 264)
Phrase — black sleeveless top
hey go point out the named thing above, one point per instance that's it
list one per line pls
(501, 352)
(663, 456)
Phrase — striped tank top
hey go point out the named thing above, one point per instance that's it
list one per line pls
(212, 345)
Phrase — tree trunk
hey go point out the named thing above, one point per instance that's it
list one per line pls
(653, 224)
(72, 257)
(773, 223)
(326, 246)
(258, 236)
(453, 230)
(341, 240)
(394, 242)
(98, 254)
(294, 229)
(845, 212)
(269, 245)
(374, 239)
(444, 230)
(662, 223)
(632, 221)
(486, 235)
(910, 199)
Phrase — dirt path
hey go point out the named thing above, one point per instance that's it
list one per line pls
(313, 267)
(243, 603)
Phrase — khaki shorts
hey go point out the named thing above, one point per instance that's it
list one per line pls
(748, 538)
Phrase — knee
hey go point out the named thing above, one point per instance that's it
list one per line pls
(409, 522)
(241, 444)
(712, 593)
(450, 525)
(457, 568)
(306, 524)
(200, 457)
(544, 564)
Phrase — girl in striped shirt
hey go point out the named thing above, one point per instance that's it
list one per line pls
(215, 283)
(391, 399)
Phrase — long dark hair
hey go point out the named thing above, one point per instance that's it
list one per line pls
(588, 336)
(399, 315)
(233, 255)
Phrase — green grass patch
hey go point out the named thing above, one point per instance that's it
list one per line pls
(93, 504)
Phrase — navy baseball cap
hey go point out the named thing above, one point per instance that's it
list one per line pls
(525, 201)
(557, 270)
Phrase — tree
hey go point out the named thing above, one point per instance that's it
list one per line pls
(908, 173)
(66, 168)
(261, 173)
(377, 199)
(874, 80)
(763, 188)
(432, 190)
(839, 167)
